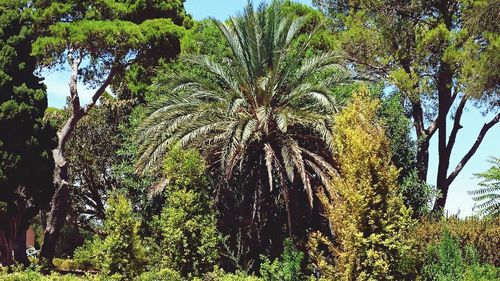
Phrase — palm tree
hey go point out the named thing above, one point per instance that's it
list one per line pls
(488, 195)
(268, 108)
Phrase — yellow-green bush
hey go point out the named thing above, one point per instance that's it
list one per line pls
(66, 264)
(363, 204)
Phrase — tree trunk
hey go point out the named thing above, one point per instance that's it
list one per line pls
(422, 141)
(6, 248)
(444, 84)
(20, 246)
(11, 225)
(57, 215)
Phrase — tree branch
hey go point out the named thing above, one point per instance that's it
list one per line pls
(377, 69)
(432, 128)
(456, 125)
(473, 149)
(98, 93)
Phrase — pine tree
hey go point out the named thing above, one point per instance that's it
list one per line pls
(25, 139)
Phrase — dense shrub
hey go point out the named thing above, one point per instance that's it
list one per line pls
(483, 235)
(121, 252)
(185, 237)
(446, 261)
(164, 274)
(31, 275)
(286, 268)
(87, 256)
(366, 213)
(219, 275)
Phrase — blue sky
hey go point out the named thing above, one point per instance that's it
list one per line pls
(458, 199)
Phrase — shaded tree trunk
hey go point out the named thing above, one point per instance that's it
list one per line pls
(11, 227)
(20, 246)
(6, 248)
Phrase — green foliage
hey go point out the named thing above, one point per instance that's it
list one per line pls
(33, 275)
(249, 117)
(485, 272)
(163, 274)
(363, 205)
(205, 38)
(26, 148)
(286, 268)
(398, 130)
(488, 195)
(121, 252)
(406, 41)
(219, 275)
(417, 195)
(87, 256)
(427, 51)
(444, 261)
(483, 235)
(185, 231)
(137, 187)
(130, 37)
(447, 262)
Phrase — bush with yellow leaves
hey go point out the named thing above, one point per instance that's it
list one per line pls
(367, 217)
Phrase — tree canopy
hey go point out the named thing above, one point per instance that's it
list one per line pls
(438, 55)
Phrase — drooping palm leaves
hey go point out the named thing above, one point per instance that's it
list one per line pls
(488, 195)
(263, 109)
